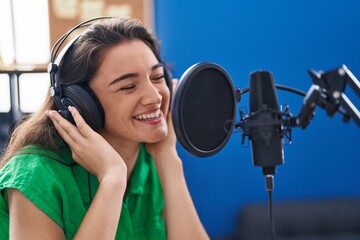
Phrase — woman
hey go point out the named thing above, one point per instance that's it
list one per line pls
(63, 180)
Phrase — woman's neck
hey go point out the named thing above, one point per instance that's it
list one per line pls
(129, 154)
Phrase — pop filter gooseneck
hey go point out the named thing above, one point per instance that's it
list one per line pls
(204, 109)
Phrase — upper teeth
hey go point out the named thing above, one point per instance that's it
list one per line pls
(148, 116)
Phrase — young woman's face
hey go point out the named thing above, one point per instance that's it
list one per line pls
(131, 87)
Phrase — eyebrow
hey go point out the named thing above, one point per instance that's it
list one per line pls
(157, 66)
(132, 75)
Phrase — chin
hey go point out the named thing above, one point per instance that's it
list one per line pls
(157, 137)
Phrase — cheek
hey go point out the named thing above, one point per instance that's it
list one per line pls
(117, 122)
(117, 106)
(115, 113)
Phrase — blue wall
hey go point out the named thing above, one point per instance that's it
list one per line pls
(287, 38)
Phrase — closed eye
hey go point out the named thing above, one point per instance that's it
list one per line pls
(158, 77)
(127, 88)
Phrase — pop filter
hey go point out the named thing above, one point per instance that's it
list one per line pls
(204, 109)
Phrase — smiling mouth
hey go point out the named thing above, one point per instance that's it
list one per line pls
(149, 116)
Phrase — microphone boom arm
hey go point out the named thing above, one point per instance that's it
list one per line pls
(328, 93)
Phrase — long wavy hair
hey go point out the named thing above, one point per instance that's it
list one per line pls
(78, 66)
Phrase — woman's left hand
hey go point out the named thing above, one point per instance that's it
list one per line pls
(166, 147)
(181, 218)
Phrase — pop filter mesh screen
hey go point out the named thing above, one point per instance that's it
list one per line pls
(208, 109)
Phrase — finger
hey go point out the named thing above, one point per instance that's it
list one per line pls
(70, 134)
(174, 84)
(62, 126)
(170, 121)
(66, 130)
(83, 127)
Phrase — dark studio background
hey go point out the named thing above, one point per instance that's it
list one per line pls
(287, 38)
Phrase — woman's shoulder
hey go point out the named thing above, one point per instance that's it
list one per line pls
(34, 163)
(45, 177)
(43, 155)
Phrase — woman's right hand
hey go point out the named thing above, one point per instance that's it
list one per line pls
(97, 156)
(89, 149)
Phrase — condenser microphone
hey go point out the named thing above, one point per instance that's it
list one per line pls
(264, 124)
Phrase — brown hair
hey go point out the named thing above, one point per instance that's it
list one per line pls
(78, 66)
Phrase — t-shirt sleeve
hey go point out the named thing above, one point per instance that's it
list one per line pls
(42, 180)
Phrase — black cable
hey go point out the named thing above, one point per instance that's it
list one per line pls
(281, 87)
(89, 187)
(290, 89)
(269, 188)
(272, 225)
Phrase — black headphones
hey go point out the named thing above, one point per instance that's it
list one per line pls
(79, 96)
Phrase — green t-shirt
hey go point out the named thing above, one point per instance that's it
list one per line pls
(63, 190)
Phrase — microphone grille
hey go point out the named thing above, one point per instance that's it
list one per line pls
(262, 91)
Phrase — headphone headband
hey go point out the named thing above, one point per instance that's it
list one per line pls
(55, 60)
(75, 95)
(55, 49)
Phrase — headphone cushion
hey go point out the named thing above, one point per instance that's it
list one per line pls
(86, 103)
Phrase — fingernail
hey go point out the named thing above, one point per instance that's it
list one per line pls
(49, 113)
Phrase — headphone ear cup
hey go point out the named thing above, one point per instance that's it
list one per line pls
(86, 103)
(168, 78)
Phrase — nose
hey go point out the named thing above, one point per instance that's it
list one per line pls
(151, 94)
